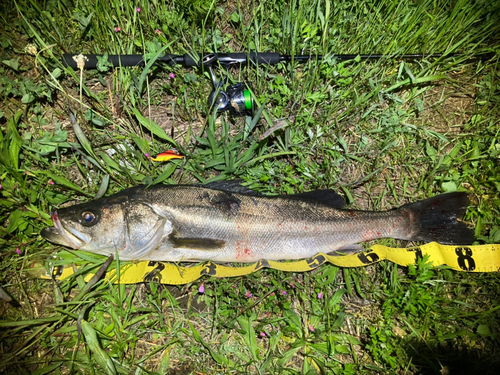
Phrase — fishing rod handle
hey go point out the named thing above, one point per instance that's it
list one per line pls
(186, 60)
(69, 59)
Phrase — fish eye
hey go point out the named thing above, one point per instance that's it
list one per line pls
(89, 218)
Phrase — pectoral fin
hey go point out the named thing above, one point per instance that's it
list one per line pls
(203, 244)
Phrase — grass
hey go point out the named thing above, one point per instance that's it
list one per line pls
(384, 133)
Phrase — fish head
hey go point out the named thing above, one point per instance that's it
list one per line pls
(109, 225)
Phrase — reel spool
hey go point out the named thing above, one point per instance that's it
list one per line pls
(237, 99)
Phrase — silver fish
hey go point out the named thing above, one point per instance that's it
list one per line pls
(226, 222)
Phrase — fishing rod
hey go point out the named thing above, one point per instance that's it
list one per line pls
(237, 98)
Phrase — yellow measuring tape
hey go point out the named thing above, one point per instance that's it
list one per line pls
(480, 258)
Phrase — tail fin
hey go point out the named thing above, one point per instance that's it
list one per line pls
(436, 219)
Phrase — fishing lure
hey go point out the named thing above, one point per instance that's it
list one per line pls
(166, 156)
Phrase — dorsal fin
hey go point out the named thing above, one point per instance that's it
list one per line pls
(326, 196)
(232, 186)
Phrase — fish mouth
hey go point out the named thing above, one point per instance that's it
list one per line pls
(67, 237)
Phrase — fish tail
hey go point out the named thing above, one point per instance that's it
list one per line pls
(437, 219)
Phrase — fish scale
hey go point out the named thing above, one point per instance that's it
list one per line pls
(229, 223)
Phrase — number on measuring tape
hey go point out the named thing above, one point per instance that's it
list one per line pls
(154, 275)
(57, 272)
(368, 257)
(262, 263)
(465, 260)
(418, 253)
(209, 269)
(315, 261)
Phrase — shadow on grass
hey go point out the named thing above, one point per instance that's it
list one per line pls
(447, 359)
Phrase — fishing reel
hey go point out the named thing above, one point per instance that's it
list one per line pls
(237, 98)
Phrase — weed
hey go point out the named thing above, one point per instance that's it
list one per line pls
(382, 132)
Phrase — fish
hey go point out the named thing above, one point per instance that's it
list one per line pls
(227, 222)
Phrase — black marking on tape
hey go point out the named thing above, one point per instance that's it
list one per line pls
(155, 274)
(368, 257)
(315, 261)
(262, 263)
(209, 269)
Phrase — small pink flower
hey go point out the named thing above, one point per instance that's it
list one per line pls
(18, 251)
(262, 334)
(172, 75)
(158, 31)
(292, 285)
(311, 328)
(320, 295)
(50, 182)
(146, 155)
(284, 292)
(202, 288)
(248, 294)
(0, 186)
(117, 29)
(138, 10)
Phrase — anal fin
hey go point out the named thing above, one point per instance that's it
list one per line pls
(347, 249)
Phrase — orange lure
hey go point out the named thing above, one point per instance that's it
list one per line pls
(167, 155)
